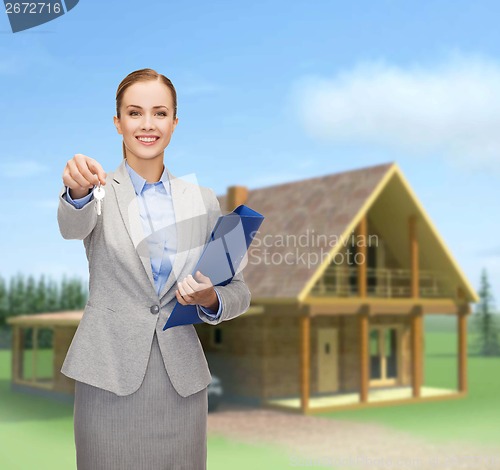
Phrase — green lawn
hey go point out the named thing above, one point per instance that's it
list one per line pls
(475, 418)
(36, 433)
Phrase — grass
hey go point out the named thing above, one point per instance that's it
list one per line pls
(473, 419)
(38, 433)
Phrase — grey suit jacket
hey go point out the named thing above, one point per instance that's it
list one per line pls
(111, 346)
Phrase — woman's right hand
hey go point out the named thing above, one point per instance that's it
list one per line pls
(81, 173)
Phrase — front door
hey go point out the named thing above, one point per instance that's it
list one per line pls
(384, 355)
(328, 360)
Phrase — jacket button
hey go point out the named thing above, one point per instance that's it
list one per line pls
(154, 309)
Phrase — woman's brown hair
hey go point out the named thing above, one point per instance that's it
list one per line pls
(142, 75)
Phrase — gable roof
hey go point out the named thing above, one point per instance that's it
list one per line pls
(324, 204)
(331, 204)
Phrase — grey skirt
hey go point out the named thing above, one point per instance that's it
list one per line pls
(154, 428)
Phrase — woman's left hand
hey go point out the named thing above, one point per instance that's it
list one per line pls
(199, 291)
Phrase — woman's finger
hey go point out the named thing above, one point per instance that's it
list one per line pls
(91, 169)
(76, 177)
(203, 278)
(88, 174)
(79, 173)
(82, 172)
(98, 170)
(179, 298)
(182, 288)
(192, 284)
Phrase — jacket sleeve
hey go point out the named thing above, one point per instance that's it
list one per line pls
(80, 202)
(234, 297)
(75, 224)
(211, 313)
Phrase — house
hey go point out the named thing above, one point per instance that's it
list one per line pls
(342, 272)
(30, 371)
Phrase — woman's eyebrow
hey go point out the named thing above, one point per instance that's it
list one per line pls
(154, 107)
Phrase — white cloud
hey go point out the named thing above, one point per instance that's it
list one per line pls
(450, 109)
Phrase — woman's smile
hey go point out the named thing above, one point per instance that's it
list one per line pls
(147, 140)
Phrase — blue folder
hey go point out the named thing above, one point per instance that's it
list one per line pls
(221, 257)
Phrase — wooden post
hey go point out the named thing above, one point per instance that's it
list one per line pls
(414, 288)
(17, 353)
(462, 348)
(416, 346)
(34, 353)
(363, 356)
(305, 322)
(362, 232)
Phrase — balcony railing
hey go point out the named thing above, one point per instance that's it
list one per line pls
(342, 281)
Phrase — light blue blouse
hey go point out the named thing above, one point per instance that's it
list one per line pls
(158, 222)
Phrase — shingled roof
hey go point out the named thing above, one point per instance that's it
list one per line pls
(320, 205)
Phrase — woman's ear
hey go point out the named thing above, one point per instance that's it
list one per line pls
(117, 124)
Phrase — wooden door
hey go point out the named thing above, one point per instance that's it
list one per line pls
(328, 360)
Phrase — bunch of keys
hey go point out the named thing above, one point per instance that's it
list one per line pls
(99, 195)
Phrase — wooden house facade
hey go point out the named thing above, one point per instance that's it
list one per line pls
(342, 273)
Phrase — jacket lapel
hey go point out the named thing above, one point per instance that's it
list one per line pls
(181, 200)
(129, 209)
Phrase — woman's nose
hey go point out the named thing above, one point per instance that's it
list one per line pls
(147, 122)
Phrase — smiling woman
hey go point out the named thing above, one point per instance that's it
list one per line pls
(151, 124)
(140, 392)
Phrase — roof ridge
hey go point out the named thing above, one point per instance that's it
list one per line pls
(313, 178)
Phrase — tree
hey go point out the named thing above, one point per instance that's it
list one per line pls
(4, 302)
(29, 296)
(486, 322)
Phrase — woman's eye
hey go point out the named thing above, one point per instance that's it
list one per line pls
(136, 112)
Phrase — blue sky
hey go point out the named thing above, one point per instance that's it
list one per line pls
(271, 92)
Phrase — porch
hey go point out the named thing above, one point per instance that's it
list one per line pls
(367, 361)
(376, 397)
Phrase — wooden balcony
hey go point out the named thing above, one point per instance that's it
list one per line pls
(342, 281)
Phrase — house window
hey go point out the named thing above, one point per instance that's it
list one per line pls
(375, 360)
(384, 348)
(390, 352)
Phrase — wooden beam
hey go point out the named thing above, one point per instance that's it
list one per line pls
(414, 256)
(361, 255)
(34, 353)
(462, 351)
(363, 356)
(17, 353)
(417, 356)
(305, 352)
(378, 306)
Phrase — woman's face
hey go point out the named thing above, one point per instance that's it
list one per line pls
(146, 121)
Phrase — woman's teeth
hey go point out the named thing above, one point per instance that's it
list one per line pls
(147, 139)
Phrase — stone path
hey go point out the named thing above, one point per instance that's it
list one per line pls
(315, 441)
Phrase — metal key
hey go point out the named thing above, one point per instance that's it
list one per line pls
(99, 194)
